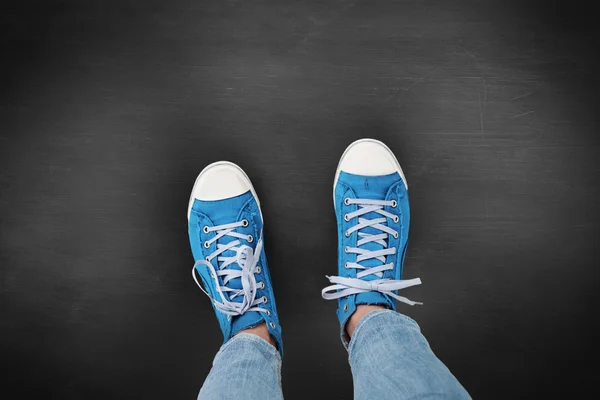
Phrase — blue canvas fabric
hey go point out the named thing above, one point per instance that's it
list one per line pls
(385, 187)
(220, 212)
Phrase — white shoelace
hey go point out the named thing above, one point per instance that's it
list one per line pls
(246, 258)
(343, 287)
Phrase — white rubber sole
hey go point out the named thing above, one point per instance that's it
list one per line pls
(221, 164)
(373, 141)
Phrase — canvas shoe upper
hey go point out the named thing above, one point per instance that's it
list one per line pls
(225, 230)
(373, 216)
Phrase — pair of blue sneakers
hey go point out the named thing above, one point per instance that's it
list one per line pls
(225, 224)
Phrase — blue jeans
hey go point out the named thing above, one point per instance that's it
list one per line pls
(389, 357)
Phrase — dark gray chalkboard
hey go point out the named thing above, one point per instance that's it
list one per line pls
(109, 109)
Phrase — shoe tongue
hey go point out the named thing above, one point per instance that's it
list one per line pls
(248, 320)
(372, 188)
(226, 212)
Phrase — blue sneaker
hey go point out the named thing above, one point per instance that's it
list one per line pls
(370, 196)
(225, 228)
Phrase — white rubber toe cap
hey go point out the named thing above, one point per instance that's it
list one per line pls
(218, 181)
(369, 157)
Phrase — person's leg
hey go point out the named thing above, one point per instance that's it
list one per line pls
(246, 367)
(389, 357)
(225, 229)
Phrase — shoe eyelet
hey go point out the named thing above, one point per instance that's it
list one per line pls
(207, 258)
(346, 265)
(346, 218)
(347, 201)
(206, 245)
(261, 285)
(244, 222)
(205, 229)
(394, 203)
(396, 235)
(268, 313)
(272, 324)
(346, 307)
(347, 234)
(257, 269)
(264, 299)
(396, 219)
(346, 249)
(250, 239)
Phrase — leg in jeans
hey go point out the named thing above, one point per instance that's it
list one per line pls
(389, 357)
(225, 229)
(246, 367)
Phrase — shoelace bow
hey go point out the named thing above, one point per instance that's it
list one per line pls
(342, 286)
(246, 258)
